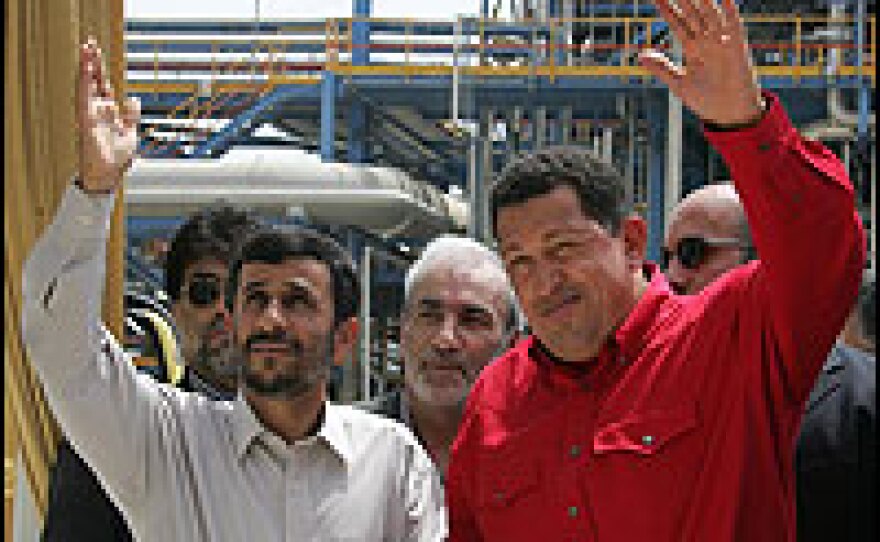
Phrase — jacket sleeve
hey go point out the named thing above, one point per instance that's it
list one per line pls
(808, 235)
(107, 411)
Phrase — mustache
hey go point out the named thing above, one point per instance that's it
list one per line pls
(256, 339)
(556, 299)
(217, 324)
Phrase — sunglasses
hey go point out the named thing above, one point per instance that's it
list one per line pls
(203, 292)
(692, 252)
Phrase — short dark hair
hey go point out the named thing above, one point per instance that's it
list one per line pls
(212, 233)
(599, 187)
(274, 245)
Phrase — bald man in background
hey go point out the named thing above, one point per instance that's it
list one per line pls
(835, 461)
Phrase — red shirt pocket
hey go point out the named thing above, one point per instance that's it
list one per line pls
(645, 432)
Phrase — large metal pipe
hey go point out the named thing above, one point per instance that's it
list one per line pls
(381, 200)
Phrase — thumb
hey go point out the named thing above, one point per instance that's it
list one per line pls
(131, 113)
(658, 65)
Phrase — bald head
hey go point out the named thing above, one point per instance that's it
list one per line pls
(715, 216)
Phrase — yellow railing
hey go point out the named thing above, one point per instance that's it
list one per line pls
(782, 45)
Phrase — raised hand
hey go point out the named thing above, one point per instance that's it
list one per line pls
(107, 136)
(718, 81)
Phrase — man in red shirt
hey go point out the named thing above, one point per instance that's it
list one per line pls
(633, 413)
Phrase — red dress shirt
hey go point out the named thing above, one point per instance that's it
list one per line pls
(684, 426)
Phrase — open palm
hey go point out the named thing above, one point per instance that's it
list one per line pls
(108, 135)
(718, 81)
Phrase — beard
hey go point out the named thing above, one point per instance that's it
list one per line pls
(451, 391)
(220, 362)
(290, 374)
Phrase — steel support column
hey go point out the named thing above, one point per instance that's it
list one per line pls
(673, 154)
(328, 116)
(365, 328)
(357, 109)
(658, 114)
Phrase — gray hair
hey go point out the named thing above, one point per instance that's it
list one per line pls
(462, 253)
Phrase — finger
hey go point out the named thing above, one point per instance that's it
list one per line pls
(131, 113)
(105, 112)
(84, 87)
(694, 11)
(106, 87)
(732, 20)
(658, 65)
(98, 71)
(676, 20)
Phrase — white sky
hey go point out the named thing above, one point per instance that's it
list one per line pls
(295, 9)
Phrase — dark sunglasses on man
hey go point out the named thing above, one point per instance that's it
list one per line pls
(203, 292)
(692, 252)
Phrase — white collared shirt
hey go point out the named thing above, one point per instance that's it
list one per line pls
(182, 467)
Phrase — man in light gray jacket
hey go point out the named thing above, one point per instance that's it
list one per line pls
(280, 462)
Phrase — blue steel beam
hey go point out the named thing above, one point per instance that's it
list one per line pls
(244, 121)
(357, 109)
(328, 116)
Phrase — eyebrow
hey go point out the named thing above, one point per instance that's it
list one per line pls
(251, 286)
(205, 275)
(562, 232)
(470, 308)
(294, 285)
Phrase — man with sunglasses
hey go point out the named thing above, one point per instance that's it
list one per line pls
(835, 459)
(633, 413)
(708, 235)
(458, 314)
(196, 271)
(196, 275)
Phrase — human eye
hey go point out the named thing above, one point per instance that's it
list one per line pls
(256, 299)
(297, 301)
(564, 248)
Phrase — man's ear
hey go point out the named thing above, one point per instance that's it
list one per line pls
(635, 241)
(344, 339)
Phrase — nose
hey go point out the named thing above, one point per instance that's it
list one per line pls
(553, 279)
(447, 337)
(220, 309)
(271, 317)
(677, 274)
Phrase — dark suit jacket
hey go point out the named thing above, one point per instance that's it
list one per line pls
(79, 509)
(836, 453)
